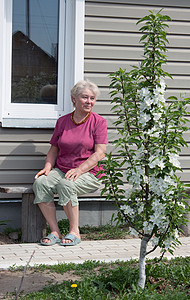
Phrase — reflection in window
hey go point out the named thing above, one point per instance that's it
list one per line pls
(34, 51)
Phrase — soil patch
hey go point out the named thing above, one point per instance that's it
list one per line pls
(33, 281)
(4, 239)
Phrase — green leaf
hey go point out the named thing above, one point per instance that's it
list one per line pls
(143, 37)
(172, 98)
(143, 19)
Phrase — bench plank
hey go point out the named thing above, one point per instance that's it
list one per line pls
(16, 189)
(27, 189)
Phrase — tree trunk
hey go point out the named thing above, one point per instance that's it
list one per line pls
(142, 274)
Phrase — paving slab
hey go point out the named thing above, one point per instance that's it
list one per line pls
(106, 250)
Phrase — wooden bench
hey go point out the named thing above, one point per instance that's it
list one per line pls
(33, 223)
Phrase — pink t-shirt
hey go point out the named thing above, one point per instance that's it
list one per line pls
(76, 142)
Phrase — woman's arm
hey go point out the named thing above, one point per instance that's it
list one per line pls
(91, 162)
(50, 161)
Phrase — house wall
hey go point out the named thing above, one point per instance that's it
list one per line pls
(111, 41)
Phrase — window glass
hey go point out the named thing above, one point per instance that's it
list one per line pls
(35, 51)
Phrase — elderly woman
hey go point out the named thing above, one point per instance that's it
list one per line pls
(78, 143)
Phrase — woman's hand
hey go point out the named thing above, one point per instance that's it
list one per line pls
(44, 171)
(50, 161)
(73, 174)
(92, 161)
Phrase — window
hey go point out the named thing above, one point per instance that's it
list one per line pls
(41, 58)
(35, 31)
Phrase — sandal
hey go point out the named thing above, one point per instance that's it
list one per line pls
(53, 240)
(75, 240)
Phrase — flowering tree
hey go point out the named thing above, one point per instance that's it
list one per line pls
(150, 136)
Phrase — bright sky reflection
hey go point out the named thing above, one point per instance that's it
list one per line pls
(42, 20)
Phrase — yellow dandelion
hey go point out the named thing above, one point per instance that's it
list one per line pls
(74, 285)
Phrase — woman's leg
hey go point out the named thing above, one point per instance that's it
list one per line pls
(49, 212)
(68, 192)
(44, 188)
(72, 213)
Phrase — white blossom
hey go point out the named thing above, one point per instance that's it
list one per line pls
(140, 208)
(139, 153)
(157, 116)
(169, 180)
(154, 132)
(144, 118)
(145, 178)
(147, 227)
(163, 85)
(182, 205)
(146, 103)
(128, 193)
(176, 233)
(159, 185)
(128, 210)
(144, 92)
(135, 176)
(169, 240)
(137, 199)
(156, 161)
(173, 159)
(160, 89)
(159, 99)
(158, 218)
(154, 241)
(132, 231)
(161, 165)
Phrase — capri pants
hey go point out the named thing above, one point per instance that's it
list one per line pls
(45, 187)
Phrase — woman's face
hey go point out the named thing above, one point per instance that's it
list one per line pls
(84, 102)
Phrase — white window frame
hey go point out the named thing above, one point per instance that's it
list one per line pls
(70, 68)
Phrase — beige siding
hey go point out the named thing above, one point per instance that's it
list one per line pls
(22, 154)
(112, 41)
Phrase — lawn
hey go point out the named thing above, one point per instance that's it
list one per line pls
(169, 279)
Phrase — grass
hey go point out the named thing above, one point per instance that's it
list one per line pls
(169, 279)
(104, 232)
(108, 231)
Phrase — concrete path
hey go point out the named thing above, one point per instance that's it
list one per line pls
(106, 250)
